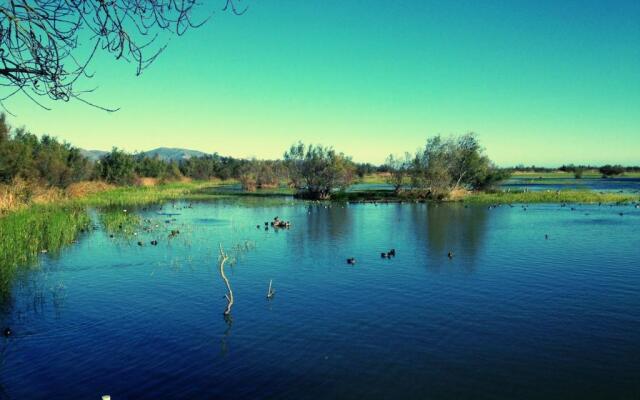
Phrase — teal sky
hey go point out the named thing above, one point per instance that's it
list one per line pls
(541, 82)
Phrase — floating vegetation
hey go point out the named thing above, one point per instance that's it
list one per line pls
(120, 222)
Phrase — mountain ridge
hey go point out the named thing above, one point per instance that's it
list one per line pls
(164, 153)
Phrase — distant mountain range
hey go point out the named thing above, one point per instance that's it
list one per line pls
(93, 155)
(164, 153)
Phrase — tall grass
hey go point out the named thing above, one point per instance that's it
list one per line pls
(27, 232)
(144, 195)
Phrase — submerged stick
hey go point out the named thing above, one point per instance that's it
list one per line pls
(228, 296)
(270, 292)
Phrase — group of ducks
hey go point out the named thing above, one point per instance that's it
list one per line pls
(392, 253)
(389, 254)
(276, 223)
(154, 242)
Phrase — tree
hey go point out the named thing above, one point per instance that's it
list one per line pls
(611, 170)
(447, 164)
(315, 171)
(398, 168)
(118, 167)
(40, 40)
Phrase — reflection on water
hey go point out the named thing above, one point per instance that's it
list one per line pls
(512, 315)
(454, 228)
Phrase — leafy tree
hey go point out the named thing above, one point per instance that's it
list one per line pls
(446, 164)
(45, 160)
(315, 171)
(611, 170)
(399, 169)
(118, 167)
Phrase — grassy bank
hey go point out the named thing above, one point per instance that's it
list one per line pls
(563, 196)
(144, 195)
(587, 174)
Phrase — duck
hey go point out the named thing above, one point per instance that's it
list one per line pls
(392, 252)
(7, 332)
(383, 255)
(450, 255)
(140, 244)
(154, 242)
(351, 261)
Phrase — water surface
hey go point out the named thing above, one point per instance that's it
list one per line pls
(511, 315)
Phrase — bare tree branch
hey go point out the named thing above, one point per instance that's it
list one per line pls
(41, 40)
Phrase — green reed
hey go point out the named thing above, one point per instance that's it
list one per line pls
(26, 233)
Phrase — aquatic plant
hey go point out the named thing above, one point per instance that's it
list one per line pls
(120, 222)
(26, 233)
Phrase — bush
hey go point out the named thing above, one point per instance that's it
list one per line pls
(316, 171)
(611, 170)
(118, 167)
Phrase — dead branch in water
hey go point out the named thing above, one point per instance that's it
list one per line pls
(228, 296)
(270, 292)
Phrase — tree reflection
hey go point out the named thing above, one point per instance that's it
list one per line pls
(450, 227)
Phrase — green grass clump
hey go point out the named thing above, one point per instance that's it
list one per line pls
(27, 232)
(563, 196)
(120, 222)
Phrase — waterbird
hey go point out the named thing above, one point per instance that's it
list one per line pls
(7, 332)
(450, 255)
(383, 255)
(351, 260)
(140, 244)
(546, 236)
(154, 242)
(392, 252)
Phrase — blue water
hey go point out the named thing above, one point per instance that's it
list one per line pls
(511, 316)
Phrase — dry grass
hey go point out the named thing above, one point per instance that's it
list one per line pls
(458, 194)
(85, 188)
(20, 193)
(11, 197)
(146, 182)
(46, 195)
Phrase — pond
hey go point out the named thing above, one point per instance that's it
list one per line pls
(513, 314)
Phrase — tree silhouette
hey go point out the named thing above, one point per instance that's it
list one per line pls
(41, 41)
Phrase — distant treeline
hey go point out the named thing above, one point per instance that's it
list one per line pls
(441, 166)
(617, 169)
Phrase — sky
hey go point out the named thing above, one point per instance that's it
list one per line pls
(540, 82)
